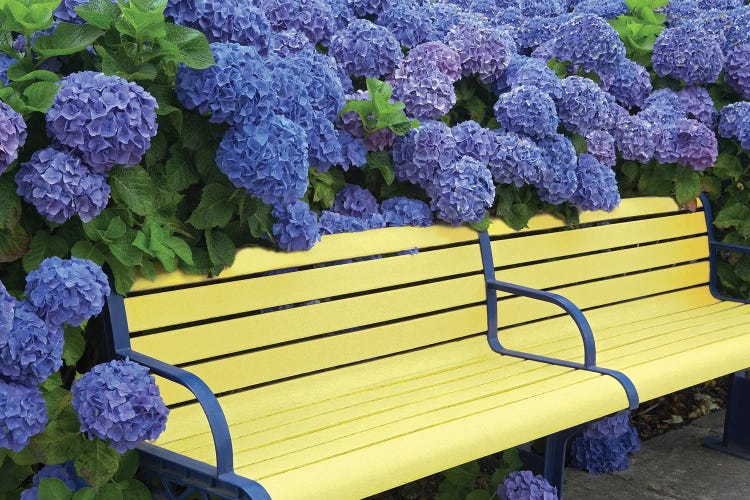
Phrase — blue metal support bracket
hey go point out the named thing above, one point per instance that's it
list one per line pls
(587, 336)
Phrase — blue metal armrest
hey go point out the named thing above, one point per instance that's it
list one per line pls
(729, 247)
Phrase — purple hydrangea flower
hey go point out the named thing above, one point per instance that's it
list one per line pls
(461, 192)
(735, 123)
(630, 84)
(314, 18)
(602, 146)
(379, 140)
(474, 140)
(60, 186)
(402, 211)
(106, 119)
(64, 472)
(524, 485)
(408, 23)
(608, 9)
(558, 181)
(12, 135)
(535, 31)
(426, 94)
(533, 8)
(434, 55)
(663, 106)
(364, 8)
(236, 90)
(316, 81)
(7, 312)
(269, 160)
(695, 144)
(366, 49)
(604, 446)
(699, 105)
(33, 349)
(535, 73)
(6, 62)
(584, 106)
(484, 51)
(527, 110)
(119, 402)
(288, 42)
(67, 291)
(417, 155)
(22, 414)
(590, 42)
(355, 201)
(737, 68)
(342, 12)
(633, 138)
(515, 160)
(353, 150)
(296, 227)
(688, 54)
(334, 223)
(597, 187)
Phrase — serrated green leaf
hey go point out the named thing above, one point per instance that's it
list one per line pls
(128, 466)
(133, 187)
(124, 275)
(40, 95)
(115, 229)
(56, 397)
(135, 490)
(110, 492)
(13, 475)
(87, 250)
(463, 475)
(99, 13)
(186, 45)
(215, 208)
(14, 241)
(220, 248)
(10, 203)
(479, 495)
(180, 248)
(85, 494)
(125, 252)
(687, 185)
(727, 166)
(481, 225)
(180, 173)
(67, 39)
(734, 215)
(74, 345)
(61, 440)
(97, 463)
(52, 488)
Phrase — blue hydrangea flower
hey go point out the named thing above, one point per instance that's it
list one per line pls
(119, 402)
(737, 68)
(663, 106)
(64, 472)
(535, 31)
(527, 110)
(417, 155)
(549, 8)
(597, 187)
(434, 55)
(484, 51)
(366, 49)
(402, 211)
(67, 291)
(287, 42)
(524, 485)
(426, 94)
(558, 181)
(314, 18)
(602, 146)
(236, 90)
(695, 144)
(33, 349)
(630, 84)
(22, 414)
(12, 135)
(106, 119)
(355, 201)
(334, 223)
(364, 8)
(296, 227)
(534, 73)
(379, 140)
(461, 192)
(444, 16)
(736, 31)
(474, 140)
(316, 81)
(7, 312)
(268, 160)
(408, 23)
(689, 54)
(60, 186)
(235, 21)
(604, 446)
(353, 150)
(633, 139)
(342, 12)
(5, 62)
(515, 160)
(608, 9)
(590, 42)
(585, 107)
(735, 123)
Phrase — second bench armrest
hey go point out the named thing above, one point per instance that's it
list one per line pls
(589, 345)
(730, 247)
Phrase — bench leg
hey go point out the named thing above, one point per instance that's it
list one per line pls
(736, 438)
(555, 454)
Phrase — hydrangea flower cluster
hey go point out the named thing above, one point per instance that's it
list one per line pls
(104, 119)
(474, 140)
(296, 227)
(22, 414)
(12, 135)
(402, 211)
(314, 18)
(524, 485)
(630, 84)
(7, 312)
(484, 51)
(688, 53)
(420, 153)
(604, 446)
(584, 106)
(119, 402)
(33, 350)
(366, 49)
(516, 160)
(331, 222)
(590, 42)
(559, 163)
(527, 110)
(597, 187)
(350, 122)
(355, 201)
(426, 94)
(64, 472)
(602, 146)
(67, 291)
(734, 123)
(461, 192)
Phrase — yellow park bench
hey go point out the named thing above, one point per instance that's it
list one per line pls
(356, 367)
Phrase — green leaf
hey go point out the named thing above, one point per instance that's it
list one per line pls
(25, 71)
(479, 495)
(167, 103)
(99, 13)
(481, 225)
(85, 494)
(56, 397)
(734, 215)
(61, 440)
(124, 251)
(124, 275)
(10, 203)
(40, 95)
(14, 241)
(133, 187)
(67, 39)
(463, 475)
(54, 489)
(180, 173)
(363, 108)
(87, 250)
(687, 185)
(215, 208)
(382, 161)
(135, 490)
(517, 216)
(187, 46)
(728, 166)
(512, 459)
(258, 217)
(128, 466)
(74, 345)
(220, 248)
(97, 463)
(142, 20)
(110, 492)
(115, 229)
(180, 248)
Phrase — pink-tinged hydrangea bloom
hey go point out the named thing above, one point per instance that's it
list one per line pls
(119, 402)
(106, 119)
(296, 227)
(461, 192)
(60, 186)
(12, 135)
(23, 414)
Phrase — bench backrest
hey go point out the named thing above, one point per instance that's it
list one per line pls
(356, 297)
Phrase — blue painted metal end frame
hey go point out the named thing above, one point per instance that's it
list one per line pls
(118, 345)
(736, 438)
(587, 336)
